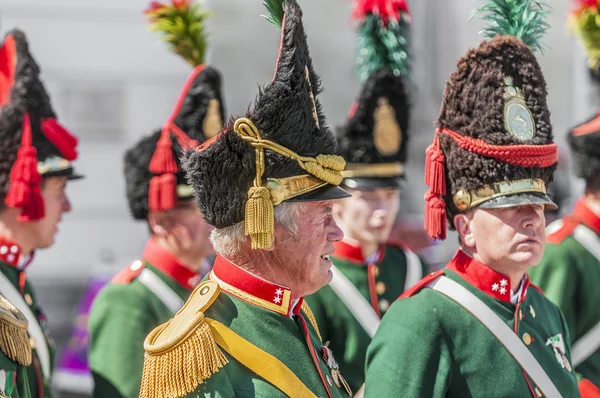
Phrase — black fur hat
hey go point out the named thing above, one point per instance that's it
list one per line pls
(374, 138)
(494, 136)
(584, 142)
(200, 117)
(286, 112)
(23, 93)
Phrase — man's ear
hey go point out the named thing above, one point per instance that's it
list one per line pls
(157, 221)
(462, 223)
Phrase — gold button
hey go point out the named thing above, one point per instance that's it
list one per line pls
(527, 339)
(376, 271)
(32, 343)
(538, 392)
(28, 299)
(520, 314)
(380, 288)
(384, 304)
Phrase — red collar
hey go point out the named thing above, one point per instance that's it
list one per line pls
(586, 216)
(484, 278)
(349, 252)
(166, 262)
(251, 288)
(10, 253)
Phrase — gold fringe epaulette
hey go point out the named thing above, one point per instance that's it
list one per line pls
(182, 353)
(14, 341)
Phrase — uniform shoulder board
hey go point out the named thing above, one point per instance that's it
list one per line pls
(561, 229)
(14, 341)
(183, 340)
(422, 284)
(128, 274)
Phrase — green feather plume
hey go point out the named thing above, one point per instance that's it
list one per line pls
(275, 11)
(523, 19)
(182, 25)
(382, 45)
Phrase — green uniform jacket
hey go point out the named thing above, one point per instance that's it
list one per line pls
(380, 284)
(429, 346)
(263, 313)
(16, 384)
(39, 384)
(123, 313)
(570, 275)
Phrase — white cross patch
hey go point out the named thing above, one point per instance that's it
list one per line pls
(495, 287)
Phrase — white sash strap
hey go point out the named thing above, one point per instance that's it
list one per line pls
(165, 294)
(589, 343)
(34, 329)
(500, 330)
(355, 302)
(414, 270)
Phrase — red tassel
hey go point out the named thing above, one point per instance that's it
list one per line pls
(60, 137)
(435, 216)
(162, 193)
(24, 191)
(435, 174)
(163, 160)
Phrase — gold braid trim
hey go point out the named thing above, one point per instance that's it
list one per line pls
(311, 318)
(14, 341)
(182, 353)
(259, 214)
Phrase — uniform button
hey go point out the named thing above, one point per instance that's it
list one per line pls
(532, 311)
(384, 304)
(137, 264)
(376, 271)
(526, 338)
(520, 314)
(3, 250)
(538, 392)
(380, 288)
(28, 299)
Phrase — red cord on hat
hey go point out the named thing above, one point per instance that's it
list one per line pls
(24, 191)
(162, 191)
(435, 175)
(60, 137)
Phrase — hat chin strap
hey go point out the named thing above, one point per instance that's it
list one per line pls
(435, 175)
(259, 213)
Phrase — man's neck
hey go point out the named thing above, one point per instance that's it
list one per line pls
(190, 261)
(515, 274)
(367, 248)
(11, 231)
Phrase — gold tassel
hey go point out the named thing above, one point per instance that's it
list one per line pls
(260, 218)
(178, 371)
(14, 342)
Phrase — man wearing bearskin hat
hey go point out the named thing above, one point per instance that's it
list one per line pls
(478, 327)
(36, 154)
(152, 289)
(369, 272)
(267, 183)
(570, 269)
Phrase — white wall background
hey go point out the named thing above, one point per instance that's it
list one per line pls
(113, 81)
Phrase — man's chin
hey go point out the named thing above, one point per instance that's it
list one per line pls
(527, 258)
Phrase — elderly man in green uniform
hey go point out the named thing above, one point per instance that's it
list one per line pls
(152, 289)
(478, 327)
(369, 272)
(36, 155)
(569, 272)
(267, 183)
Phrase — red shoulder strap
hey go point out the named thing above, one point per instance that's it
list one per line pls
(566, 230)
(421, 284)
(128, 274)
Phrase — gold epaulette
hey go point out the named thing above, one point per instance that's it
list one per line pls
(14, 341)
(182, 353)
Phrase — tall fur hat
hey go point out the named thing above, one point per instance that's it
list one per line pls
(153, 175)
(282, 150)
(493, 146)
(374, 138)
(584, 142)
(34, 144)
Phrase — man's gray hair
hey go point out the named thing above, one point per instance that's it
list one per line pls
(229, 241)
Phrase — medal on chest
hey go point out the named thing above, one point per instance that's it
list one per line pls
(334, 368)
(558, 345)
